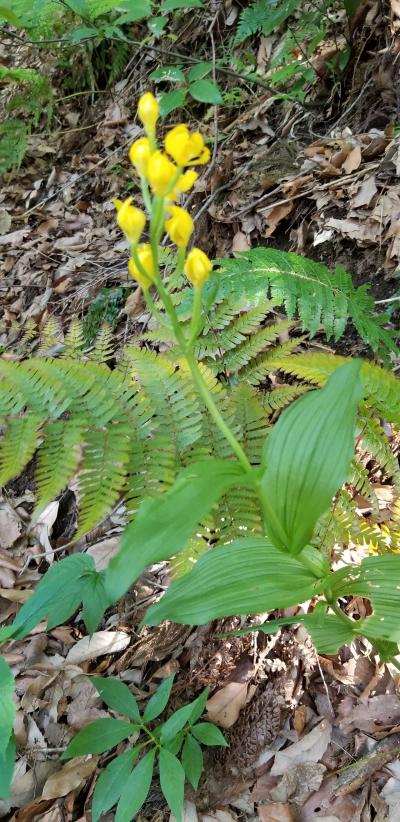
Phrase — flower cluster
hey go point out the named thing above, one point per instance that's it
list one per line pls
(166, 175)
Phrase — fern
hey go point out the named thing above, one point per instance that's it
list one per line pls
(13, 143)
(32, 94)
(263, 16)
(321, 298)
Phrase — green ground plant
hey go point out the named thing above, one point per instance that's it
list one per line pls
(240, 498)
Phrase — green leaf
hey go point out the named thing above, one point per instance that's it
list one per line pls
(95, 600)
(170, 74)
(136, 789)
(248, 576)
(156, 25)
(205, 91)
(134, 10)
(57, 596)
(159, 700)
(307, 458)
(171, 5)
(209, 734)
(172, 100)
(99, 736)
(351, 6)
(83, 33)
(111, 781)
(175, 723)
(199, 71)
(7, 763)
(7, 14)
(198, 706)
(172, 781)
(192, 760)
(7, 705)
(378, 579)
(164, 524)
(117, 696)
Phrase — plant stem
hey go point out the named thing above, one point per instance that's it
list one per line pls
(196, 317)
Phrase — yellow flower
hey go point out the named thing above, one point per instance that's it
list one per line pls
(148, 111)
(130, 219)
(186, 148)
(179, 226)
(145, 258)
(139, 154)
(160, 173)
(184, 184)
(197, 267)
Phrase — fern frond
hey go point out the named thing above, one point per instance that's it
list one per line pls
(236, 327)
(104, 347)
(74, 341)
(320, 297)
(376, 445)
(50, 337)
(256, 371)
(57, 458)
(359, 479)
(151, 469)
(251, 420)
(13, 142)
(184, 561)
(245, 353)
(281, 396)
(103, 472)
(263, 17)
(18, 445)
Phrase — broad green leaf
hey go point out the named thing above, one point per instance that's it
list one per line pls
(248, 576)
(7, 705)
(171, 5)
(133, 10)
(209, 734)
(7, 13)
(136, 789)
(205, 91)
(117, 696)
(159, 700)
(192, 760)
(378, 579)
(170, 74)
(95, 599)
(7, 763)
(57, 596)
(198, 706)
(172, 781)
(111, 781)
(172, 100)
(83, 33)
(164, 524)
(156, 25)
(351, 6)
(175, 723)
(199, 71)
(307, 458)
(99, 736)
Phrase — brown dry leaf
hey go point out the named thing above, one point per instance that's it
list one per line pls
(395, 5)
(365, 193)
(375, 714)
(240, 242)
(100, 643)
(363, 230)
(69, 778)
(274, 216)
(353, 160)
(5, 221)
(10, 526)
(299, 782)
(102, 552)
(276, 812)
(224, 706)
(308, 749)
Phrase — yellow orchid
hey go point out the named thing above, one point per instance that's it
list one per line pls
(160, 173)
(145, 257)
(148, 111)
(180, 226)
(139, 155)
(185, 147)
(185, 182)
(197, 267)
(130, 219)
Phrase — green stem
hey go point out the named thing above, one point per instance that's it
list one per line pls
(196, 317)
(154, 310)
(145, 193)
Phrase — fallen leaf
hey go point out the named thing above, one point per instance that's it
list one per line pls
(276, 812)
(240, 242)
(299, 782)
(308, 749)
(5, 221)
(10, 526)
(274, 216)
(375, 714)
(102, 552)
(100, 643)
(353, 160)
(224, 706)
(365, 193)
(69, 778)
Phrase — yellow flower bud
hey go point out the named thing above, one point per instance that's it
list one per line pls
(197, 267)
(184, 184)
(145, 258)
(186, 148)
(139, 154)
(148, 111)
(130, 219)
(160, 173)
(179, 226)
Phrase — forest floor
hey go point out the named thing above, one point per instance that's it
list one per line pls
(321, 178)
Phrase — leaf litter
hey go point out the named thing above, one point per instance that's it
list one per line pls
(309, 738)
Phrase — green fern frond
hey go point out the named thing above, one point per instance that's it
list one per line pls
(184, 561)
(263, 17)
(246, 353)
(320, 297)
(18, 445)
(251, 420)
(74, 341)
(13, 142)
(257, 370)
(57, 458)
(50, 337)
(104, 346)
(281, 396)
(376, 445)
(151, 470)
(360, 480)
(103, 471)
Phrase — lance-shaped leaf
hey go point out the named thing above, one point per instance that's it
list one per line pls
(163, 525)
(307, 457)
(247, 576)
